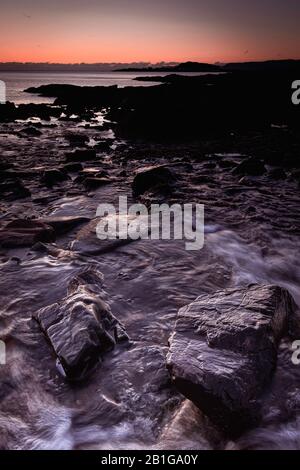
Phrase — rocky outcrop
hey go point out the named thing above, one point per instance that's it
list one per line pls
(224, 349)
(81, 327)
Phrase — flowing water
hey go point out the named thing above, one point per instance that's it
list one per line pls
(129, 402)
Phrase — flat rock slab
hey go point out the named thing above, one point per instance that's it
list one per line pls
(81, 327)
(63, 224)
(223, 351)
(25, 232)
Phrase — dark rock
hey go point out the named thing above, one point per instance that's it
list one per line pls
(103, 146)
(81, 327)
(31, 131)
(79, 155)
(13, 189)
(52, 177)
(72, 167)
(226, 164)
(77, 140)
(64, 224)
(94, 182)
(25, 232)
(224, 349)
(252, 166)
(277, 174)
(152, 177)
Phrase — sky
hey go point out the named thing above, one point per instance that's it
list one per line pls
(73, 31)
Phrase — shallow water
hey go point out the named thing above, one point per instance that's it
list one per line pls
(129, 402)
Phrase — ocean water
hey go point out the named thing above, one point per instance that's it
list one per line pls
(17, 82)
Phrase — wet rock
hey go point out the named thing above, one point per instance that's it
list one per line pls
(25, 232)
(13, 189)
(152, 177)
(87, 242)
(226, 164)
(277, 174)
(72, 167)
(103, 146)
(31, 131)
(77, 140)
(94, 183)
(252, 166)
(84, 155)
(64, 224)
(81, 327)
(52, 177)
(224, 349)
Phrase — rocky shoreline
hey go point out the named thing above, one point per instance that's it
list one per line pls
(106, 343)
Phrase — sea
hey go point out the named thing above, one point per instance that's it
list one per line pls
(17, 82)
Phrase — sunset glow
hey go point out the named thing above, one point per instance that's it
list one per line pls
(91, 31)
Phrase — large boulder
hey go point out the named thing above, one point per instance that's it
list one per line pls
(81, 327)
(158, 176)
(223, 351)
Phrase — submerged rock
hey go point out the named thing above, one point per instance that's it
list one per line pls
(224, 349)
(81, 327)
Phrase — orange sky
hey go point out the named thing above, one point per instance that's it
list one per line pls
(71, 31)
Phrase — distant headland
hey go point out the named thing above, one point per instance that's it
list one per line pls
(169, 67)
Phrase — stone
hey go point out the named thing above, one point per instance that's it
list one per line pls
(277, 174)
(52, 177)
(72, 167)
(31, 131)
(63, 224)
(92, 183)
(150, 177)
(81, 155)
(77, 139)
(223, 351)
(13, 189)
(251, 166)
(25, 232)
(81, 327)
